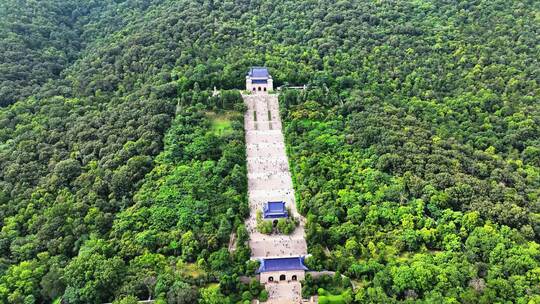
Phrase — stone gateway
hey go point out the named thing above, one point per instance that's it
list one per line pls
(259, 81)
(282, 269)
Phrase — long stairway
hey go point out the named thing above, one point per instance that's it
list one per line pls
(269, 179)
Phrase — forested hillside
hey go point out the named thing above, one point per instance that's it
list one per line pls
(38, 40)
(415, 154)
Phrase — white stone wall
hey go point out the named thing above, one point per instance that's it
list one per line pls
(265, 276)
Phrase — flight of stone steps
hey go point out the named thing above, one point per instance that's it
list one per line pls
(269, 179)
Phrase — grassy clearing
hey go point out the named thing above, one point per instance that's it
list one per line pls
(326, 297)
(192, 270)
(221, 122)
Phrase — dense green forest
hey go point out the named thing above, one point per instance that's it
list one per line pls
(415, 154)
(40, 39)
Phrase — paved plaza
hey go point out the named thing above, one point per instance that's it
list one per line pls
(284, 293)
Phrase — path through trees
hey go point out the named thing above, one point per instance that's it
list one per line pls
(269, 179)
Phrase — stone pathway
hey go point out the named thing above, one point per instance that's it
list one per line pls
(269, 179)
(284, 293)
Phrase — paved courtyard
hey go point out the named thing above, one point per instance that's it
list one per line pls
(284, 293)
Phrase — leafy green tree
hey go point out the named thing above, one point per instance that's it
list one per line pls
(127, 300)
(263, 296)
(212, 295)
(20, 284)
(92, 276)
(181, 293)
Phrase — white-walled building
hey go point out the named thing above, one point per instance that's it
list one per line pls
(282, 269)
(259, 81)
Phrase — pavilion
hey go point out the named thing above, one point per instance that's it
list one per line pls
(275, 210)
(289, 268)
(258, 80)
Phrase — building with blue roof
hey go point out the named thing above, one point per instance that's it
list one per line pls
(259, 81)
(275, 210)
(258, 72)
(288, 268)
(282, 264)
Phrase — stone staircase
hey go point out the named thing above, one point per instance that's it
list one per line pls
(269, 179)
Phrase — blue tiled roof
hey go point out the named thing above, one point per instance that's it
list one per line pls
(275, 210)
(281, 264)
(258, 72)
